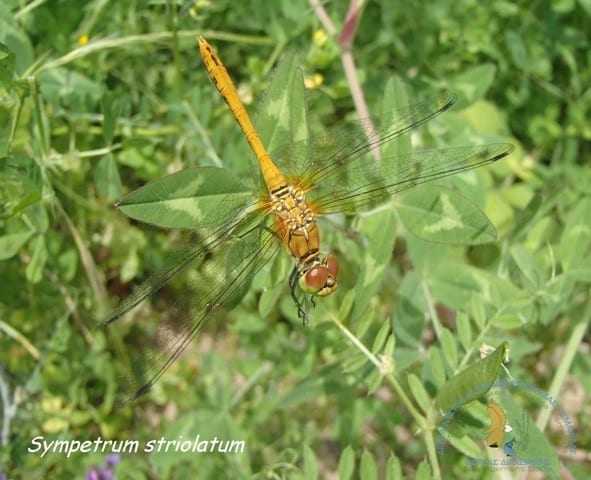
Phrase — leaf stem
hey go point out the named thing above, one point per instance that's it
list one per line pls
(432, 311)
(388, 375)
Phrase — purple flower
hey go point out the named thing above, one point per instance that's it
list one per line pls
(112, 460)
(107, 474)
(93, 474)
(3, 477)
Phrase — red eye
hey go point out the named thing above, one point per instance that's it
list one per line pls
(332, 265)
(316, 278)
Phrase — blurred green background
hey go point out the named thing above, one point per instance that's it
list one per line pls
(99, 97)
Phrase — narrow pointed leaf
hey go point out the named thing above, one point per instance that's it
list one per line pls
(472, 382)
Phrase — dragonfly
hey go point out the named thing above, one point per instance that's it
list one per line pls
(239, 231)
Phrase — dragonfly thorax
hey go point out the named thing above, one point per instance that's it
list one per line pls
(289, 205)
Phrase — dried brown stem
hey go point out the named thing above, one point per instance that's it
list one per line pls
(345, 41)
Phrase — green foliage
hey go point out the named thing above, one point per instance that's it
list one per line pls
(492, 256)
(471, 383)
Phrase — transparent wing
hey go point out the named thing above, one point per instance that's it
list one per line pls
(365, 182)
(225, 270)
(329, 154)
(189, 255)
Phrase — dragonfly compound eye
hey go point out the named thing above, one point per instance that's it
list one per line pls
(332, 265)
(315, 279)
(319, 280)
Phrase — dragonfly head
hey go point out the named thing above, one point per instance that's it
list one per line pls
(320, 277)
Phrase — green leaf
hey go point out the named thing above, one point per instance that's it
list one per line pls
(15, 40)
(450, 348)
(347, 463)
(486, 117)
(475, 82)
(381, 338)
(478, 311)
(70, 88)
(586, 4)
(423, 471)
(575, 241)
(396, 98)
(419, 392)
(38, 259)
(107, 179)
(8, 107)
(310, 464)
(393, 468)
(11, 243)
(368, 469)
(472, 382)
(436, 367)
(517, 49)
(464, 330)
(464, 444)
(192, 198)
(467, 283)
(111, 110)
(443, 215)
(281, 116)
(528, 265)
(530, 445)
(378, 227)
(269, 299)
(526, 217)
(7, 63)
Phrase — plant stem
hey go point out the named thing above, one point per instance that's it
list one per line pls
(204, 137)
(432, 452)
(39, 118)
(20, 338)
(8, 409)
(109, 43)
(28, 8)
(432, 311)
(421, 421)
(15, 118)
(345, 42)
(576, 337)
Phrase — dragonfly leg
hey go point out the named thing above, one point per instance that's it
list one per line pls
(293, 280)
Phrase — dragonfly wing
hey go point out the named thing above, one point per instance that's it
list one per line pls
(364, 183)
(181, 259)
(222, 279)
(324, 155)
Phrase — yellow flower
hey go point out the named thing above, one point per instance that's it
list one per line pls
(320, 37)
(83, 40)
(314, 81)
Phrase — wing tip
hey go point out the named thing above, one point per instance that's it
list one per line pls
(446, 100)
(503, 150)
